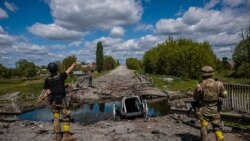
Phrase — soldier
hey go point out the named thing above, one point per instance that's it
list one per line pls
(207, 93)
(54, 86)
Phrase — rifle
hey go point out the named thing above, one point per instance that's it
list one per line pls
(196, 104)
(219, 105)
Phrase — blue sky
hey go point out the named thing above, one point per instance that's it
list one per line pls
(49, 30)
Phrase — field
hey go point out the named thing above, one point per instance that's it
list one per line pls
(185, 85)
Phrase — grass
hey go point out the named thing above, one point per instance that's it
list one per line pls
(176, 85)
(225, 77)
(29, 90)
(185, 85)
(22, 86)
(238, 125)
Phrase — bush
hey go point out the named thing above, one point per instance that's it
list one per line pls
(182, 58)
(133, 63)
(109, 63)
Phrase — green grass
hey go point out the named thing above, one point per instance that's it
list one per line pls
(225, 77)
(184, 85)
(238, 125)
(9, 86)
(29, 90)
(176, 85)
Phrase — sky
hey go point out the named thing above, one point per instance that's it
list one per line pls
(44, 31)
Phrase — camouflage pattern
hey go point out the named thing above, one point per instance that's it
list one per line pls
(59, 110)
(208, 93)
(207, 71)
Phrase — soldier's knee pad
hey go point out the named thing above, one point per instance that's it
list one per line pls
(56, 115)
(66, 127)
(219, 135)
(204, 123)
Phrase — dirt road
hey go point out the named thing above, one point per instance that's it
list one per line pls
(154, 129)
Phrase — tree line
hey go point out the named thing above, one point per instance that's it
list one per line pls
(26, 68)
(184, 58)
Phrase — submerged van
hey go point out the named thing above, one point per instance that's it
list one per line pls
(130, 107)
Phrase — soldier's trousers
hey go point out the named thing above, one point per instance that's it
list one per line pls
(59, 110)
(215, 120)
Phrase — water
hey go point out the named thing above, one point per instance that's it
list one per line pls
(90, 113)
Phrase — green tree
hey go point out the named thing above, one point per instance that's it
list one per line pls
(118, 62)
(26, 68)
(133, 63)
(182, 57)
(99, 57)
(3, 70)
(68, 61)
(241, 54)
(109, 63)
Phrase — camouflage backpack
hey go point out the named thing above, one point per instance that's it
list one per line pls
(210, 90)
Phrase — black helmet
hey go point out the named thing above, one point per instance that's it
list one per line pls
(52, 67)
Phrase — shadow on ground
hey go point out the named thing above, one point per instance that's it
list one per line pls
(188, 137)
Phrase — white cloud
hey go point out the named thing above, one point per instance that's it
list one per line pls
(54, 32)
(91, 14)
(211, 4)
(144, 27)
(118, 48)
(3, 14)
(235, 3)
(117, 31)
(10, 6)
(5, 39)
(219, 27)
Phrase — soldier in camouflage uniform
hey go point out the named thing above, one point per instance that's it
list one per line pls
(208, 92)
(54, 86)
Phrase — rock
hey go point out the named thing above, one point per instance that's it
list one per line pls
(155, 132)
(40, 126)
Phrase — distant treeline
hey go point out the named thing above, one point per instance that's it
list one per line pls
(184, 58)
(27, 69)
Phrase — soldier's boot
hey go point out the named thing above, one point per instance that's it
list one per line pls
(58, 137)
(219, 135)
(66, 131)
(68, 137)
(204, 134)
(56, 123)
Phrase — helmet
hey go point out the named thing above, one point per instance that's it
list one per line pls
(207, 71)
(52, 67)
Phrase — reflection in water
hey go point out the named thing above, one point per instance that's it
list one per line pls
(89, 113)
(158, 108)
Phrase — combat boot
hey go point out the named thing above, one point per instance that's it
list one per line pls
(58, 137)
(68, 137)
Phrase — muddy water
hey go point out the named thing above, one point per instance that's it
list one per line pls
(90, 113)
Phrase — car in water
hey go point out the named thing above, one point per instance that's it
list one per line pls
(130, 107)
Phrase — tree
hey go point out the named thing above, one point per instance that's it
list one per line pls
(182, 57)
(99, 57)
(68, 61)
(241, 54)
(26, 68)
(133, 63)
(109, 63)
(3, 70)
(118, 62)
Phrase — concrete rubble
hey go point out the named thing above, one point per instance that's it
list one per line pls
(118, 83)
